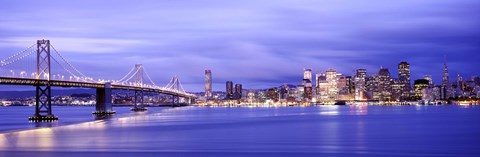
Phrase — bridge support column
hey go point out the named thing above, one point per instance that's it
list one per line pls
(104, 100)
(138, 101)
(43, 96)
(43, 104)
(175, 100)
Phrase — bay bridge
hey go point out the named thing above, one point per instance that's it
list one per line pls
(43, 68)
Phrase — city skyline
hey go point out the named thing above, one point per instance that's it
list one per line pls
(268, 40)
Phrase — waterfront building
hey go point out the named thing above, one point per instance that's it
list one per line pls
(397, 89)
(342, 83)
(446, 87)
(284, 89)
(251, 97)
(332, 87)
(437, 92)
(208, 84)
(404, 80)
(384, 85)
(360, 84)
(350, 85)
(308, 92)
(300, 91)
(372, 87)
(318, 77)
(322, 88)
(307, 74)
(229, 90)
(419, 86)
(343, 87)
(238, 92)
(272, 94)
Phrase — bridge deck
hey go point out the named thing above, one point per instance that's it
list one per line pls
(66, 83)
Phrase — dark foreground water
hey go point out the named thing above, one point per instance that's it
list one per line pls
(223, 132)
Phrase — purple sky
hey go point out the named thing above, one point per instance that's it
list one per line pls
(258, 43)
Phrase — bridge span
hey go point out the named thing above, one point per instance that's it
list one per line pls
(43, 78)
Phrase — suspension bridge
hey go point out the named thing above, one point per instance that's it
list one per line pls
(39, 66)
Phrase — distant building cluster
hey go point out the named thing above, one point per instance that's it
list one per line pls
(331, 87)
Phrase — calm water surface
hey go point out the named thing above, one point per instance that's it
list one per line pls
(284, 131)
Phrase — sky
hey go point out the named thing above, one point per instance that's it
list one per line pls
(258, 43)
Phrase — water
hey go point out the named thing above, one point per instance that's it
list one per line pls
(284, 131)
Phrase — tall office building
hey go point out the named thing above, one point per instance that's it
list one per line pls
(445, 74)
(360, 84)
(321, 87)
(229, 90)
(308, 92)
(238, 91)
(332, 89)
(350, 84)
(446, 89)
(307, 74)
(404, 80)
(384, 85)
(318, 77)
(307, 84)
(208, 83)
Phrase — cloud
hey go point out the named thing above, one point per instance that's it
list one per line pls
(257, 43)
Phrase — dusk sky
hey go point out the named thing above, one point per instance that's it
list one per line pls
(258, 43)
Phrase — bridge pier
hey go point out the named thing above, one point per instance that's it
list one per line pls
(104, 100)
(175, 100)
(43, 104)
(138, 101)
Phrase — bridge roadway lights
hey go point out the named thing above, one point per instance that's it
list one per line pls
(104, 101)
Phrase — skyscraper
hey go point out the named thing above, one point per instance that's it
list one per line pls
(307, 84)
(445, 74)
(332, 89)
(238, 91)
(384, 85)
(307, 74)
(350, 84)
(404, 80)
(360, 84)
(208, 83)
(229, 90)
(308, 92)
(445, 91)
(317, 82)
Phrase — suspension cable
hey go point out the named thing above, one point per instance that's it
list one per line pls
(68, 63)
(14, 55)
(138, 69)
(124, 77)
(144, 71)
(17, 59)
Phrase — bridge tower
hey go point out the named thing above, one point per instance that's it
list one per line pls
(43, 96)
(138, 81)
(175, 85)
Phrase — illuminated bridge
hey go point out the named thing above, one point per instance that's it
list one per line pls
(37, 66)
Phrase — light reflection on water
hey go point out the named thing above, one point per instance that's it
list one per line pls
(361, 129)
